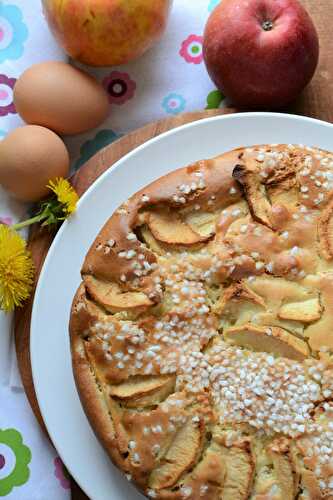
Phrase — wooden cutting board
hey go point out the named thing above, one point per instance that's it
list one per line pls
(316, 101)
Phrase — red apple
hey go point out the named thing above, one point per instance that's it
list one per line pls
(106, 32)
(260, 53)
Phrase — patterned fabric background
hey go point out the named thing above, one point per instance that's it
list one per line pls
(167, 80)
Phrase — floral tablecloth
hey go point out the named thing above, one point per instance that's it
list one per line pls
(168, 80)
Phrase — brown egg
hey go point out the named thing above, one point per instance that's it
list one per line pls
(29, 157)
(60, 97)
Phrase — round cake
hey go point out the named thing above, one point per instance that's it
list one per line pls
(202, 331)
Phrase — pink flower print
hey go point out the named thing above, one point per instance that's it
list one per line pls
(61, 473)
(6, 95)
(6, 220)
(120, 87)
(191, 49)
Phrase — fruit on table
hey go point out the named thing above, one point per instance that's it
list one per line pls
(260, 53)
(30, 156)
(106, 32)
(61, 97)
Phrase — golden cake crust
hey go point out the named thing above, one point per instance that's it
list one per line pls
(202, 331)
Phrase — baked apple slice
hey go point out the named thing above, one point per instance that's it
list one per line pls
(113, 299)
(284, 475)
(205, 480)
(272, 339)
(211, 468)
(239, 473)
(168, 228)
(238, 292)
(274, 470)
(181, 455)
(151, 242)
(306, 311)
(203, 223)
(141, 391)
(255, 193)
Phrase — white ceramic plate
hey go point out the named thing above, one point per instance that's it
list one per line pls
(50, 350)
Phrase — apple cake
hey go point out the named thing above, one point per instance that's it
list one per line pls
(202, 331)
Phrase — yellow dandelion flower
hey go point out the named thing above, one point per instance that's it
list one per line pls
(56, 208)
(66, 194)
(16, 269)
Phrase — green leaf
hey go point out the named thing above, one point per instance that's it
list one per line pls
(214, 99)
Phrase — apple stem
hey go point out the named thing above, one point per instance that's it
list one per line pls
(267, 25)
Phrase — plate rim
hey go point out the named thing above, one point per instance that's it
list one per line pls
(92, 187)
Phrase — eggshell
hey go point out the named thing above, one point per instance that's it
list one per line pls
(60, 97)
(30, 156)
